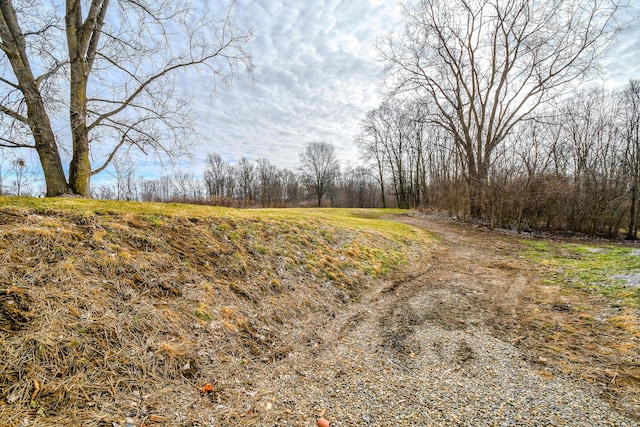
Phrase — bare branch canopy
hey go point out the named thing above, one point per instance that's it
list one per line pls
(113, 67)
(485, 65)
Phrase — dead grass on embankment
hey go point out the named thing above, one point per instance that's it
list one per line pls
(111, 311)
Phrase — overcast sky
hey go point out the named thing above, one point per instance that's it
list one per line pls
(316, 76)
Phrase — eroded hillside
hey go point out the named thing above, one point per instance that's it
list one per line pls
(113, 311)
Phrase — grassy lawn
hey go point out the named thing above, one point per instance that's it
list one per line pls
(595, 268)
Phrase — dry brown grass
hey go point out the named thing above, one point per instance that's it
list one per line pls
(107, 315)
(579, 334)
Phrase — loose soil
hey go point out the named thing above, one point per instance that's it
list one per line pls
(478, 276)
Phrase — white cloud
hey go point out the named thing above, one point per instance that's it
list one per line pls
(316, 75)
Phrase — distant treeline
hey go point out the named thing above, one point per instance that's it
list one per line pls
(247, 184)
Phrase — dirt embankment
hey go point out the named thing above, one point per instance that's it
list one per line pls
(111, 318)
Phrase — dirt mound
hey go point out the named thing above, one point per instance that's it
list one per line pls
(109, 317)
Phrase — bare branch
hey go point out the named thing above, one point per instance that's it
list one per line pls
(11, 113)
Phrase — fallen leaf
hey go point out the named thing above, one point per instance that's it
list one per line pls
(207, 388)
(36, 389)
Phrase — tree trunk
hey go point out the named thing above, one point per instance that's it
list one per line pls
(79, 39)
(477, 195)
(45, 143)
(633, 220)
(382, 187)
(80, 166)
(14, 46)
(47, 149)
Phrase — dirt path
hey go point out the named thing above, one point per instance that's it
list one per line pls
(434, 348)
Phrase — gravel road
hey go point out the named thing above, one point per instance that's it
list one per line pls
(420, 352)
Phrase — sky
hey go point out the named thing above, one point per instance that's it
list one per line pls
(317, 73)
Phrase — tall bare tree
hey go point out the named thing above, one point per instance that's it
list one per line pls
(215, 175)
(319, 167)
(631, 132)
(119, 63)
(371, 143)
(246, 178)
(488, 64)
(269, 185)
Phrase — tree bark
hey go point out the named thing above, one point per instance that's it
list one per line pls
(14, 46)
(80, 166)
(47, 149)
(82, 43)
(633, 215)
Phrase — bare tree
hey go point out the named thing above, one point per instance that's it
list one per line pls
(631, 133)
(269, 184)
(186, 187)
(125, 174)
(371, 143)
(215, 175)
(119, 63)
(597, 194)
(359, 187)
(488, 64)
(245, 172)
(290, 188)
(319, 167)
(22, 176)
(396, 137)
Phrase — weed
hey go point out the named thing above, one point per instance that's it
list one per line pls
(202, 312)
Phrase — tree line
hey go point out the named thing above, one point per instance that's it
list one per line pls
(318, 181)
(574, 167)
(482, 118)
